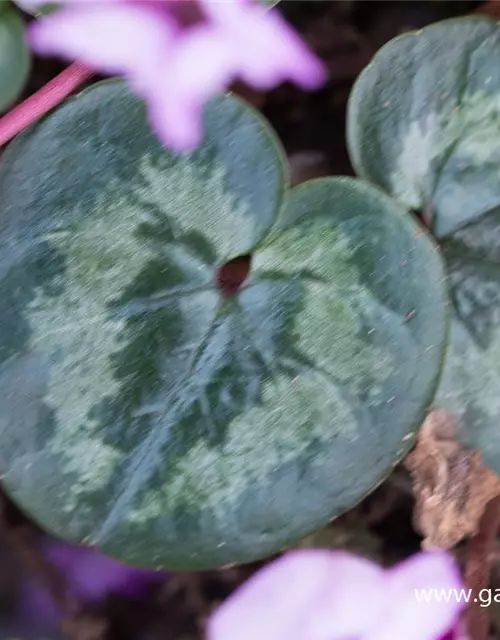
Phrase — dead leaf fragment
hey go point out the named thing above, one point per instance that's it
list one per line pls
(450, 483)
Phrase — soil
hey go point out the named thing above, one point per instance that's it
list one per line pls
(345, 34)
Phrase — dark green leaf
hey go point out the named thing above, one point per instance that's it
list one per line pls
(14, 57)
(424, 121)
(143, 411)
(470, 386)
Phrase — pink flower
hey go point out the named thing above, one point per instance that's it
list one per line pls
(333, 595)
(177, 54)
(89, 576)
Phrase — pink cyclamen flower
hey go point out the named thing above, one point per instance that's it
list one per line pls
(177, 54)
(89, 576)
(333, 595)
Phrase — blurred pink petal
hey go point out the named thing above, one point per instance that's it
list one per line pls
(176, 59)
(201, 67)
(115, 38)
(269, 52)
(410, 618)
(304, 595)
(91, 575)
(332, 595)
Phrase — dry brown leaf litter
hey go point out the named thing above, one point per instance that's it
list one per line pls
(450, 483)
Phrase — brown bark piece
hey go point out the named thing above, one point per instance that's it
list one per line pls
(450, 483)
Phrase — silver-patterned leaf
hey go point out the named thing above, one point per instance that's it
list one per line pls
(424, 121)
(144, 411)
(470, 385)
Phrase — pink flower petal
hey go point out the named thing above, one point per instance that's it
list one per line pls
(200, 65)
(410, 619)
(324, 595)
(268, 50)
(177, 124)
(176, 68)
(114, 37)
(207, 58)
(305, 595)
(91, 575)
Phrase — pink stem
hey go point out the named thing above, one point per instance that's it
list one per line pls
(43, 101)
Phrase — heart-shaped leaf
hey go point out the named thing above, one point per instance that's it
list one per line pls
(470, 385)
(424, 121)
(14, 57)
(145, 410)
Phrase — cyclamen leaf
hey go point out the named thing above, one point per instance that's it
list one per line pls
(470, 385)
(14, 57)
(143, 411)
(424, 121)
